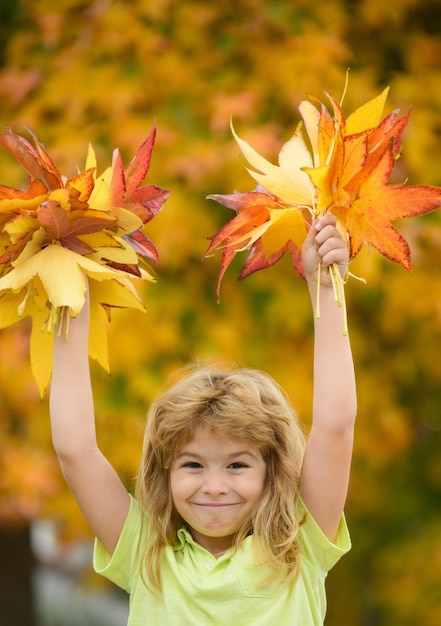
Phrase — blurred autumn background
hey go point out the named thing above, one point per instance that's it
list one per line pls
(101, 71)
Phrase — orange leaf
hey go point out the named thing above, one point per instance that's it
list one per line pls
(258, 259)
(253, 227)
(35, 160)
(83, 183)
(36, 188)
(388, 136)
(368, 219)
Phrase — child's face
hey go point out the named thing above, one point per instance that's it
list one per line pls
(215, 484)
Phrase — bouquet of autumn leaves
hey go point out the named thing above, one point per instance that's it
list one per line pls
(57, 233)
(331, 164)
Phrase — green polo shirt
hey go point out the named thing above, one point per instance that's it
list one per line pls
(199, 590)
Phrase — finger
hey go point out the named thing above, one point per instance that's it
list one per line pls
(333, 256)
(333, 251)
(327, 232)
(325, 220)
(311, 234)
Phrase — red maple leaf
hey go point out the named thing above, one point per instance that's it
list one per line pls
(125, 188)
(247, 230)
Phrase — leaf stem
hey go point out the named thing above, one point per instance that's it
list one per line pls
(338, 286)
(317, 300)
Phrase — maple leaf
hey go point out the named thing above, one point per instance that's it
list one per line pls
(257, 213)
(122, 188)
(331, 164)
(57, 232)
(368, 218)
(33, 158)
(142, 245)
(125, 185)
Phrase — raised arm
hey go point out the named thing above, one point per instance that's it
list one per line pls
(327, 461)
(95, 485)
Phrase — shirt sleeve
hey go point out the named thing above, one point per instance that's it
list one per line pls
(124, 563)
(322, 553)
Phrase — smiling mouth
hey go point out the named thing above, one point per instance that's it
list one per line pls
(216, 505)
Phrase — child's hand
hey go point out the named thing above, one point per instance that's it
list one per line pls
(324, 244)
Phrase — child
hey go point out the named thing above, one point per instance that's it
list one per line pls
(237, 519)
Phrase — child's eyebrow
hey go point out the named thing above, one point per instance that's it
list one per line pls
(242, 453)
(188, 453)
(228, 456)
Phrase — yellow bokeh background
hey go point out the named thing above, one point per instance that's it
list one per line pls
(102, 71)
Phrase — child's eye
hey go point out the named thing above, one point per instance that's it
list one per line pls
(192, 465)
(237, 465)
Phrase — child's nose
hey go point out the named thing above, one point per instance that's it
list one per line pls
(215, 483)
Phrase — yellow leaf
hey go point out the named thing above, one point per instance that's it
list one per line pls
(41, 350)
(62, 196)
(286, 224)
(116, 293)
(21, 204)
(61, 276)
(91, 158)
(60, 272)
(311, 118)
(9, 305)
(124, 254)
(32, 247)
(100, 239)
(293, 156)
(20, 226)
(98, 337)
(100, 196)
(293, 185)
(282, 186)
(128, 222)
(367, 116)
(145, 275)
(321, 178)
(119, 293)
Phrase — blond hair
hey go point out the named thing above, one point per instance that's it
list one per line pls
(244, 404)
